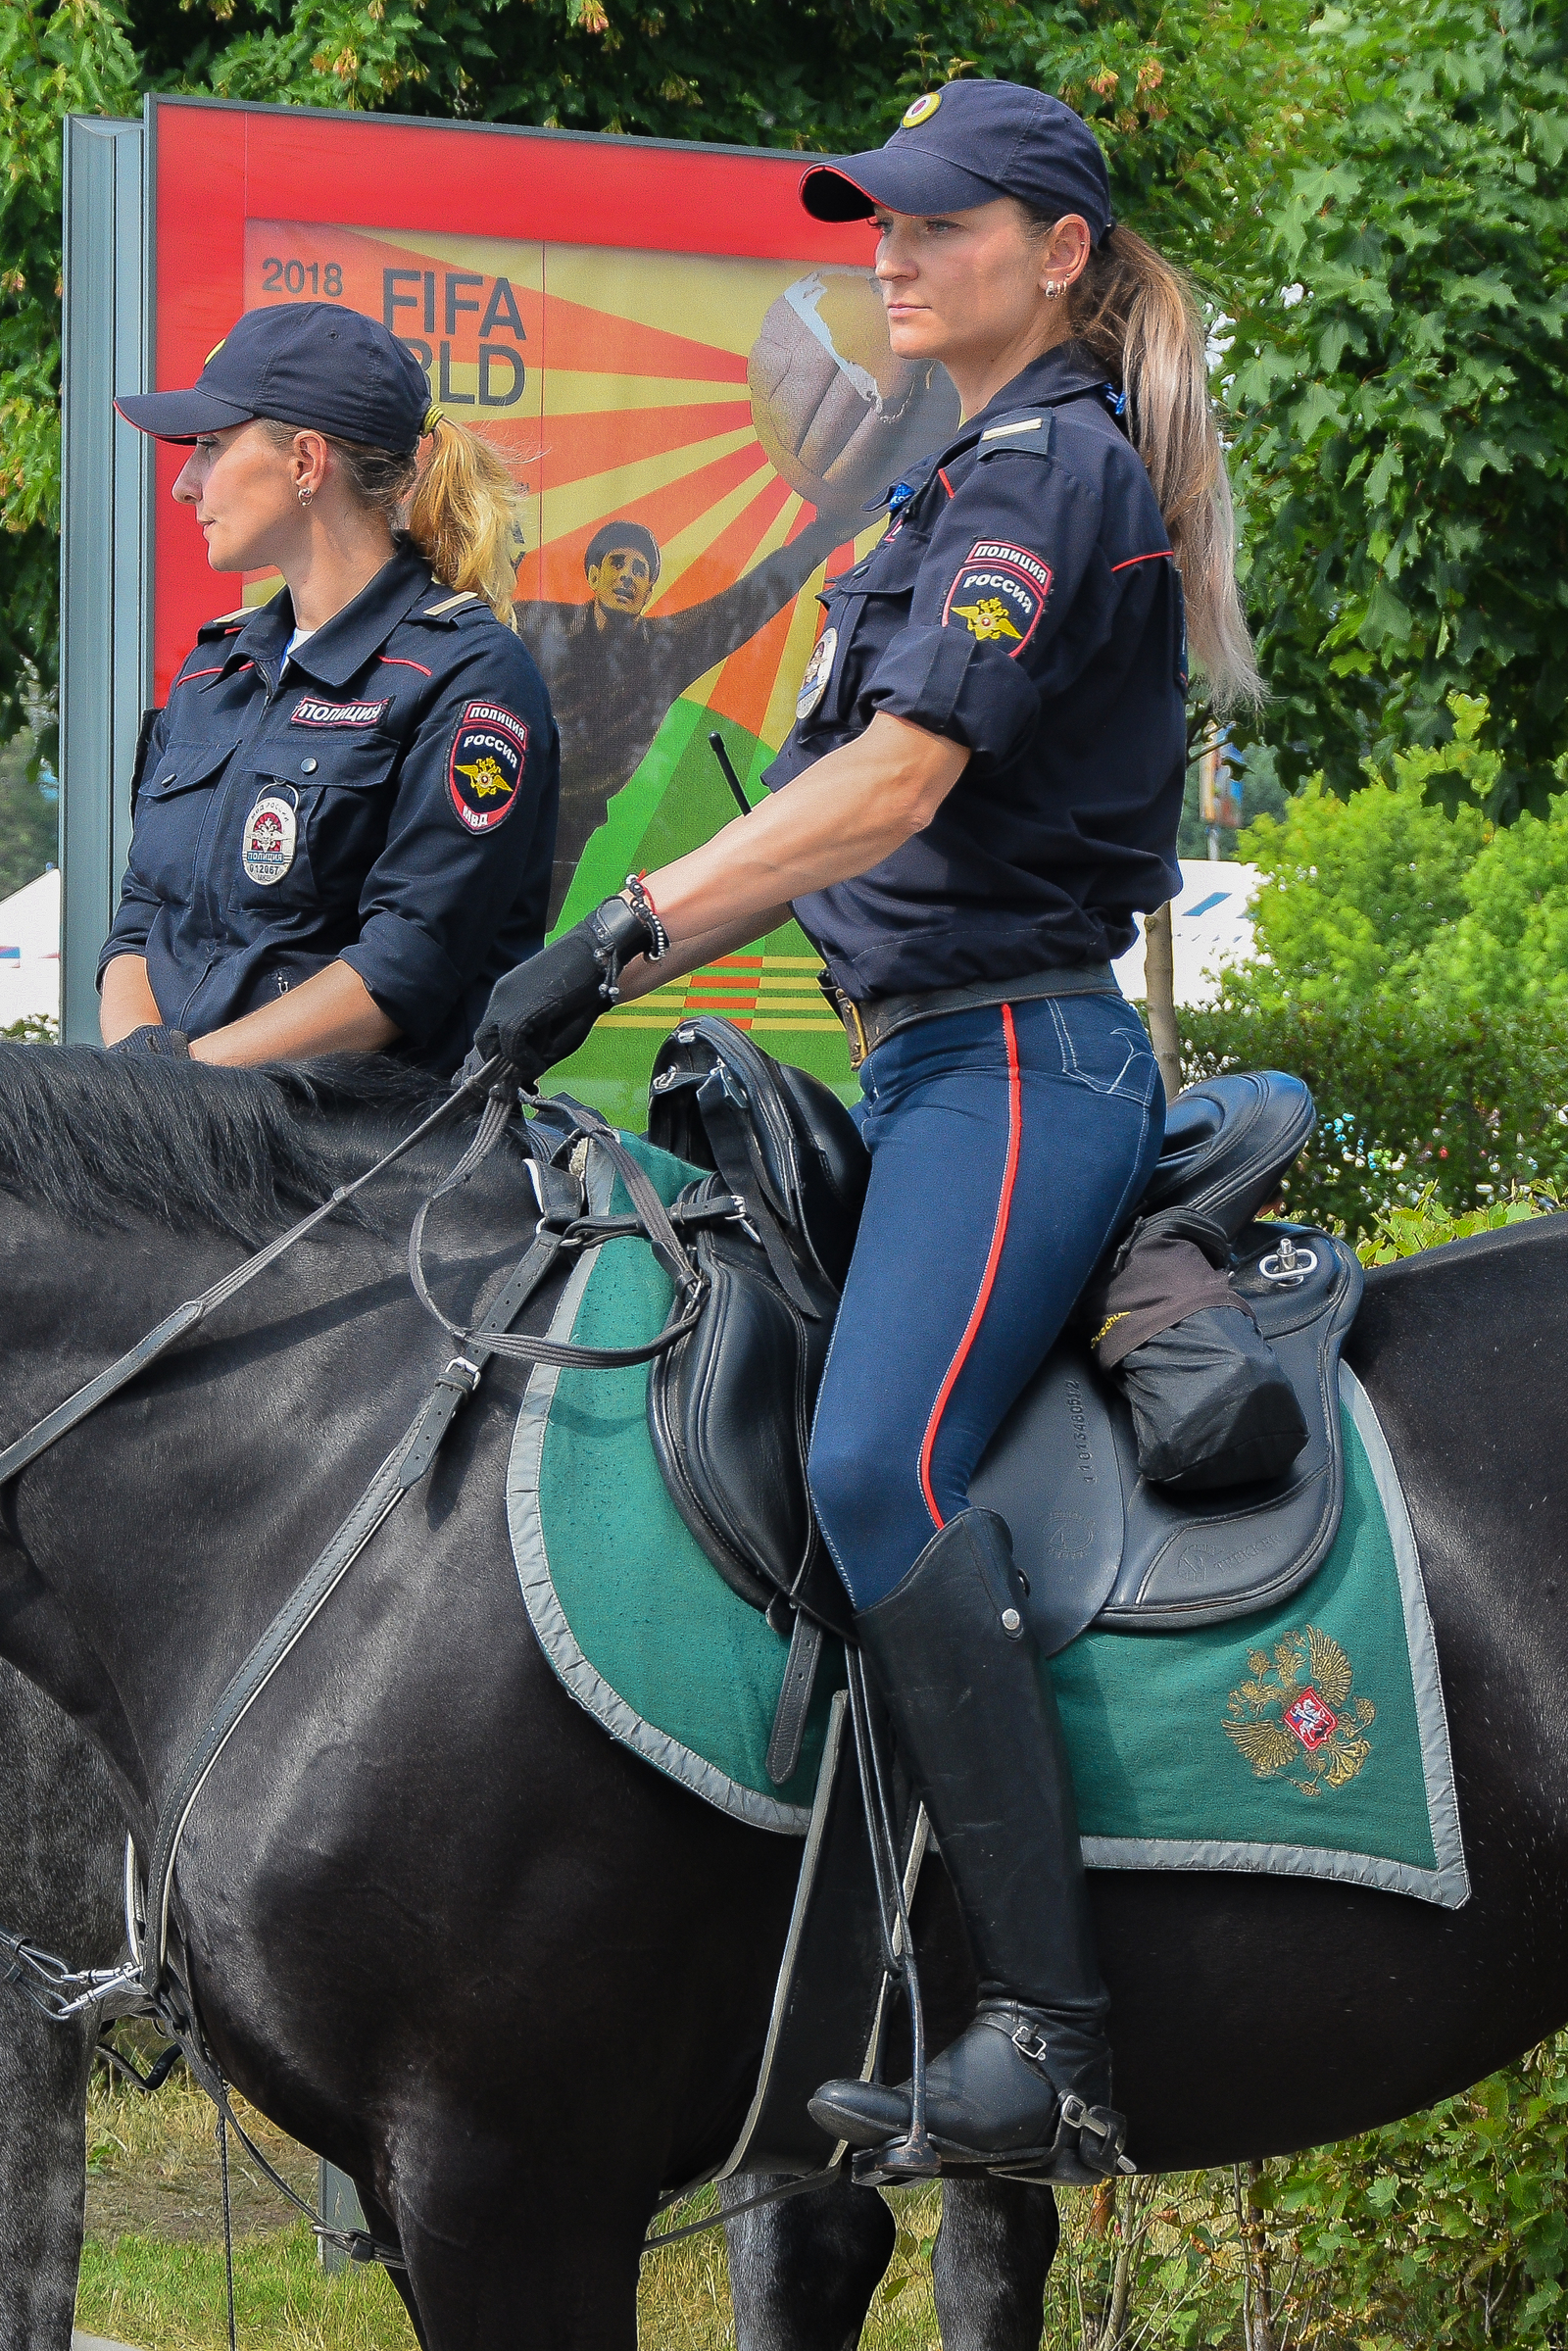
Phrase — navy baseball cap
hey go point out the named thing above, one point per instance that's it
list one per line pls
(969, 143)
(311, 364)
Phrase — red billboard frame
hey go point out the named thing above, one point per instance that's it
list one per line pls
(217, 164)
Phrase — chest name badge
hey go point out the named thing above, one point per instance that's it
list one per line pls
(271, 837)
(999, 595)
(309, 712)
(489, 752)
(818, 669)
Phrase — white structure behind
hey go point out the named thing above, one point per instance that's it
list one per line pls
(1210, 925)
(29, 951)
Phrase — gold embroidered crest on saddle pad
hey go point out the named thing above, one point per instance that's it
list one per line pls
(1297, 1709)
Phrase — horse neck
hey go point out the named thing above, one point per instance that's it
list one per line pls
(150, 1547)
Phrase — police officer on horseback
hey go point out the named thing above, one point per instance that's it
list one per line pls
(345, 816)
(981, 790)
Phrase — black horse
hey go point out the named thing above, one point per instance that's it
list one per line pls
(61, 1845)
(441, 1927)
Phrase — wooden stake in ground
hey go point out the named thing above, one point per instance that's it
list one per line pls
(1160, 993)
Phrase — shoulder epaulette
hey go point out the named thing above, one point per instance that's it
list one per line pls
(228, 622)
(433, 612)
(1001, 433)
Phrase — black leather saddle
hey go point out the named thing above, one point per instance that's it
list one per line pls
(730, 1407)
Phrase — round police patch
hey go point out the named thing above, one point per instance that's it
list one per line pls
(818, 669)
(999, 595)
(489, 752)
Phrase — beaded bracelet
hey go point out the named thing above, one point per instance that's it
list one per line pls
(643, 905)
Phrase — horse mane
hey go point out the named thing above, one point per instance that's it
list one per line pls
(108, 1138)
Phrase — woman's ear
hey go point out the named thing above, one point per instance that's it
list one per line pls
(308, 463)
(1065, 254)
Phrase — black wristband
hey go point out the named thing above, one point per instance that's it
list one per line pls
(643, 905)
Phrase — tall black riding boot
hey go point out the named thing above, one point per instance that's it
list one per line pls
(1026, 2088)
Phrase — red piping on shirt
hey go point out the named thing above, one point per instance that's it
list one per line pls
(396, 660)
(942, 476)
(988, 1280)
(1161, 555)
(192, 675)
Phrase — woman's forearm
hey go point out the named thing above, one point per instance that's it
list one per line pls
(639, 977)
(844, 816)
(331, 1012)
(126, 999)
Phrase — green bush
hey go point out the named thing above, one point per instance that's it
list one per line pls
(1471, 1101)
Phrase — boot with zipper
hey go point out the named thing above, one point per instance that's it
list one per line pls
(1025, 2089)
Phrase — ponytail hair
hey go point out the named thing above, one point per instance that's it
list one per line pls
(461, 515)
(1140, 317)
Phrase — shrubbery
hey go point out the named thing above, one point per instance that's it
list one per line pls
(1413, 969)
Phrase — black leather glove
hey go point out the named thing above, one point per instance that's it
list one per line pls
(173, 1044)
(541, 1011)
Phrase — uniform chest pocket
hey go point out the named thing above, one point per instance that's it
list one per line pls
(339, 786)
(866, 606)
(173, 808)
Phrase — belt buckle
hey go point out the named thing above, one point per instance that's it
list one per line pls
(853, 1030)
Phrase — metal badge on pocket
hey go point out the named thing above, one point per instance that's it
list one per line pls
(818, 669)
(271, 832)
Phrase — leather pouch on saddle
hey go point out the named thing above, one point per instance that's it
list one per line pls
(1211, 1406)
(729, 1408)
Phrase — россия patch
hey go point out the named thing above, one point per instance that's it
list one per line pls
(999, 595)
(489, 752)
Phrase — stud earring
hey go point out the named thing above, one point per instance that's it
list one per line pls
(1051, 290)
(306, 495)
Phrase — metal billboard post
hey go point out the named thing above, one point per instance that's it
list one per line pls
(106, 539)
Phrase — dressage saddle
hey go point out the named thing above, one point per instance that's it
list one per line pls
(1175, 1461)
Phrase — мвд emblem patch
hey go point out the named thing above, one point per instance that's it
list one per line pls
(999, 595)
(489, 752)
(1297, 1709)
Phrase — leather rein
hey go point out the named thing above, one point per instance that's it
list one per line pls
(145, 1985)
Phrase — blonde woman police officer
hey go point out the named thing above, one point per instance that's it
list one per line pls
(345, 816)
(982, 790)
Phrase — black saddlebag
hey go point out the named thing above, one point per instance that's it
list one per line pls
(1211, 1404)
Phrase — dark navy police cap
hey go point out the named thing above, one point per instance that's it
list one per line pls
(969, 143)
(310, 364)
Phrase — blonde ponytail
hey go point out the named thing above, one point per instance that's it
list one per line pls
(462, 517)
(1140, 317)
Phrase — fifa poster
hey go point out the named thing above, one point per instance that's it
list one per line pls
(699, 434)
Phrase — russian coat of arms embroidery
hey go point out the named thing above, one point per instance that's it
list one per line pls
(1297, 1709)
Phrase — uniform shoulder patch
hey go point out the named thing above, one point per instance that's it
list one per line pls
(489, 754)
(450, 604)
(999, 595)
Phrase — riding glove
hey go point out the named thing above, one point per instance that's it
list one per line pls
(541, 1011)
(173, 1044)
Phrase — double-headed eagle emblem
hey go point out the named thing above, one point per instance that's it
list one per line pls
(485, 778)
(986, 619)
(1297, 1709)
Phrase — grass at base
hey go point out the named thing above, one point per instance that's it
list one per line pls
(161, 2296)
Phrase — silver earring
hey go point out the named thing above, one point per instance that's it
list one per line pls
(1051, 290)
(306, 495)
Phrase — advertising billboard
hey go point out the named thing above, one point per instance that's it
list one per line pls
(692, 386)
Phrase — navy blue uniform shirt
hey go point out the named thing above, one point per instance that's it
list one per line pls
(386, 798)
(1024, 602)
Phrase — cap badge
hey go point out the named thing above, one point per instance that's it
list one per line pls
(267, 849)
(921, 111)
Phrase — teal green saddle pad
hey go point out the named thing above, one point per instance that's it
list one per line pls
(1306, 1741)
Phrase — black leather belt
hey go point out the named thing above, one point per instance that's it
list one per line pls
(868, 1025)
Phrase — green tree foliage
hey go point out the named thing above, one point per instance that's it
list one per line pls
(1400, 387)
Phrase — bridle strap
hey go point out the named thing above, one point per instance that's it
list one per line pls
(97, 1390)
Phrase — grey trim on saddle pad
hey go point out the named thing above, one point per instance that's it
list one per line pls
(1448, 1884)
(555, 1636)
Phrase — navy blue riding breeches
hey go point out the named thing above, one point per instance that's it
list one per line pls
(1007, 1144)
